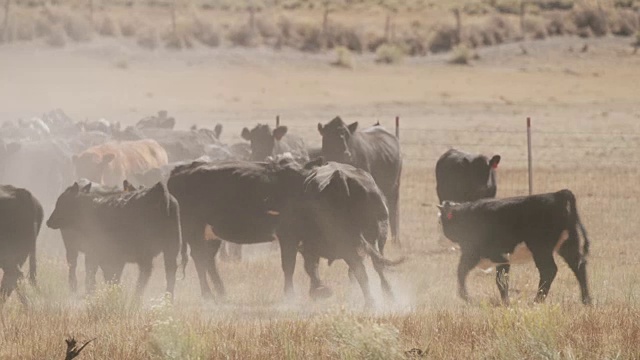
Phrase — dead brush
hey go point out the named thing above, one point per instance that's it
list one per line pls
(108, 27)
(73, 350)
(590, 20)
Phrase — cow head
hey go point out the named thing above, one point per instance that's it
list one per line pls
(67, 210)
(449, 217)
(335, 139)
(263, 140)
(91, 165)
(483, 176)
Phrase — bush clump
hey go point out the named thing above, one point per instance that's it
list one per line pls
(390, 54)
(443, 39)
(590, 20)
(344, 58)
(148, 38)
(461, 55)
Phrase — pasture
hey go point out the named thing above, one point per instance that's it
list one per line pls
(584, 107)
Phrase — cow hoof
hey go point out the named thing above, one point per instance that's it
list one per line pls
(321, 292)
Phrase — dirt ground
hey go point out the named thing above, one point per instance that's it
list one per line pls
(585, 108)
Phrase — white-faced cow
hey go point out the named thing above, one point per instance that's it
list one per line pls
(265, 143)
(462, 177)
(113, 162)
(341, 215)
(497, 230)
(120, 228)
(374, 150)
(20, 220)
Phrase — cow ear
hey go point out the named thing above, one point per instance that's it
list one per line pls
(217, 130)
(13, 147)
(126, 185)
(87, 188)
(107, 158)
(321, 129)
(279, 132)
(246, 134)
(495, 160)
(353, 127)
(74, 188)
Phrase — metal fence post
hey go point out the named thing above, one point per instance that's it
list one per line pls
(529, 156)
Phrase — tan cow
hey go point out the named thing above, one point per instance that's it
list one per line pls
(113, 162)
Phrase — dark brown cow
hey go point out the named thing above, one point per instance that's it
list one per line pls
(120, 228)
(500, 230)
(374, 150)
(20, 220)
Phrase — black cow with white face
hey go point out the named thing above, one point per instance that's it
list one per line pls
(504, 231)
(462, 177)
(374, 150)
(20, 220)
(265, 143)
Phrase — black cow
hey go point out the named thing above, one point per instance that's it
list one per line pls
(120, 228)
(157, 122)
(462, 177)
(241, 201)
(374, 150)
(265, 143)
(496, 230)
(341, 215)
(74, 241)
(20, 220)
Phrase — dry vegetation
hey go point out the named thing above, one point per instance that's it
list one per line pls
(413, 27)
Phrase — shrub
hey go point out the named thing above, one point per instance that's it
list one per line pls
(311, 37)
(461, 55)
(590, 17)
(625, 24)
(499, 29)
(148, 38)
(344, 58)
(128, 28)
(243, 36)
(444, 38)
(536, 27)
(266, 28)
(77, 27)
(558, 24)
(205, 33)
(340, 35)
(508, 6)
(178, 40)
(107, 302)
(108, 27)
(56, 37)
(389, 54)
(555, 4)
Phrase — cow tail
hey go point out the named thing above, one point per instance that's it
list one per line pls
(184, 258)
(574, 218)
(376, 257)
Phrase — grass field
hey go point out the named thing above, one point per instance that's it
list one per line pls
(585, 112)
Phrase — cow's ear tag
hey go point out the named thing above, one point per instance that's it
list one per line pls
(449, 215)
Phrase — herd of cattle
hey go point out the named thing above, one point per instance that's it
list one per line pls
(126, 195)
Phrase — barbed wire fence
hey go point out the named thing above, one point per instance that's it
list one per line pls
(587, 162)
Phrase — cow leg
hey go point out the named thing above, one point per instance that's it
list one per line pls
(547, 269)
(502, 280)
(145, 266)
(394, 215)
(72, 262)
(355, 263)
(571, 254)
(288, 252)
(235, 252)
(91, 269)
(9, 282)
(194, 236)
(317, 289)
(170, 269)
(213, 247)
(384, 283)
(467, 262)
